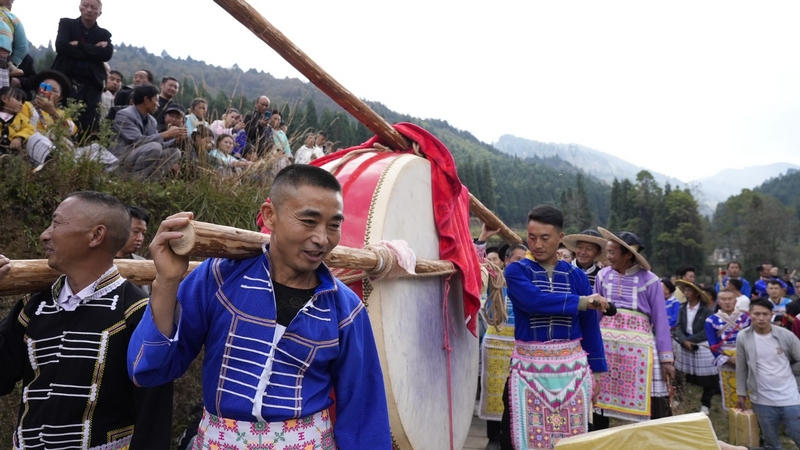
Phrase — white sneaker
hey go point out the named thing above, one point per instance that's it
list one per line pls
(704, 410)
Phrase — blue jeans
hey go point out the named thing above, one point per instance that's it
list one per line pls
(770, 418)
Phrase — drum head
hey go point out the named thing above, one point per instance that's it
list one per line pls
(407, 314)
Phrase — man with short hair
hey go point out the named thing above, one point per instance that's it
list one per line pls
(786, 282)
(68, 344)
(81, 49)
(760, 287)
(139, 219)
(278, 330)
(308, 152)
(142, 77)
(256, 124)
(775, 296)
(637, 336)
(742, 301)
(169, 89)
(768, 373)
(556, 335)
(734, 273)
(141, 150)
(113, 85)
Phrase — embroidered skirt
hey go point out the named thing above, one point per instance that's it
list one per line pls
(496, 349)
(311, 432)
(727, 381)
(634, 373)
(550, 393)
(698, 362)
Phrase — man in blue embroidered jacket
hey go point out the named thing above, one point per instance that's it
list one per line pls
(279, 330)
(553, 308)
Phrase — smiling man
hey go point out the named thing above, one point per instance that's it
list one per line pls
(279, 331)
(558, 346)
(68, 344)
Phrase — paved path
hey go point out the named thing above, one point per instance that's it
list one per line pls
(476, 440)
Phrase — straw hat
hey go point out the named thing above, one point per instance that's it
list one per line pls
(571, 242)
(703, 295)
(630, 241)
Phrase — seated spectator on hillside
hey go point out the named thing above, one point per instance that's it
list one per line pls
(202, 141)
(308, 152)
(197, 115)
(113, 84)
(16, 129)
(44, 112)
(256, 124)
(142, 77)
(121, 100)
(221, 158)
(139, 219)
(232, 124)
(13, 44)
(169, 89)
(143, 151)
(278, 135)
(174, 118)
(25, 81)
(321, 138)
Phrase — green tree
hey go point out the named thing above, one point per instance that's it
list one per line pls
(679, 239)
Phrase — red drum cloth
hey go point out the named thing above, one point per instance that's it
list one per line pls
(451, 211)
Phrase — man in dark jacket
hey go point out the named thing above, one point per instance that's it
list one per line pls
(81, 49)
(256, 124)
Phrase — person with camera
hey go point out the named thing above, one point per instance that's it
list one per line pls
(694, 357)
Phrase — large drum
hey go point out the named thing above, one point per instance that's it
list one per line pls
(388, 196)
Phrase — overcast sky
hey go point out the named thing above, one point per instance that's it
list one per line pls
(685, 88)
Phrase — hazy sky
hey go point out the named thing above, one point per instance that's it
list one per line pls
(685, 88)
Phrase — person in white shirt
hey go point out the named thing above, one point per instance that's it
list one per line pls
(742, 301)
(308, 152)
(767, 371)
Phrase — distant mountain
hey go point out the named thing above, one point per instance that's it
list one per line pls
(709, 191)
(594, 162)
(719, 187)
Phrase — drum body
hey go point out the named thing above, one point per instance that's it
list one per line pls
(388, 196)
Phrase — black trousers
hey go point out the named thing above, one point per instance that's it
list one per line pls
(89, 119)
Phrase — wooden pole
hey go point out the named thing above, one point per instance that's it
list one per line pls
(218, 241)
(492, 222)
(34, 275)
(255, 22)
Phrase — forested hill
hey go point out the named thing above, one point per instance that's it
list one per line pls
(785, 188)
(508, 185)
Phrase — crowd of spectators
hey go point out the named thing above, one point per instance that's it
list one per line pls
(153, 135)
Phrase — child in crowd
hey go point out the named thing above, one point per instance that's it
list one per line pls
(221, 158)
(15, 128)
(233, 125)
(198, 110)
